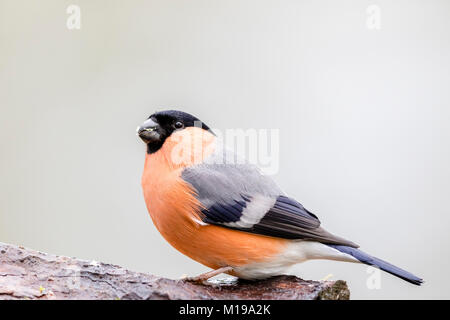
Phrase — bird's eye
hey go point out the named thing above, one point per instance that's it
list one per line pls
(178, 124)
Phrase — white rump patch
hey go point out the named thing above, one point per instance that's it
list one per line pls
(297, 251)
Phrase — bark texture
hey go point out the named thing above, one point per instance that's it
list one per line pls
(29, 274)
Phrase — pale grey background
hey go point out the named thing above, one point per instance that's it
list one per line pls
(363, 118)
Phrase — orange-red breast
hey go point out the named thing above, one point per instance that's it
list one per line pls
(225, 213)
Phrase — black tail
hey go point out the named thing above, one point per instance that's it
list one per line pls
(383, 265)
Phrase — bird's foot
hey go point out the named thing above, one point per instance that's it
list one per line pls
(200, 279)
(327, 277)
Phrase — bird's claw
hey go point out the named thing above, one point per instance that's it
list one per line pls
(196, 280)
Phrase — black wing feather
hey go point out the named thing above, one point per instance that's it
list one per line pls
(287, 219)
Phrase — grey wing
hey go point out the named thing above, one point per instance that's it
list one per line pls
(239, 196)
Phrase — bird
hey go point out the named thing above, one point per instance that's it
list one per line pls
(222, 211)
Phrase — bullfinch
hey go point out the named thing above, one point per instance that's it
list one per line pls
(223, 212)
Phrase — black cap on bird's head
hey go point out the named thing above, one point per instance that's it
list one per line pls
(160, 125)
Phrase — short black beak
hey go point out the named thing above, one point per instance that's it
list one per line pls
(149, 131)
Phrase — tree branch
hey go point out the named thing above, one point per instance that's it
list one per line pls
(29, 274)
